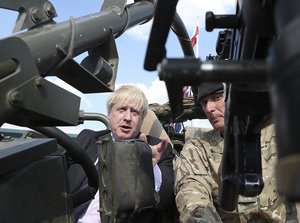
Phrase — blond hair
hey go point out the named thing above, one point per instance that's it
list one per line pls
(128, 93)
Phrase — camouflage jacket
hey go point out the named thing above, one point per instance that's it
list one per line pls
(197, 179)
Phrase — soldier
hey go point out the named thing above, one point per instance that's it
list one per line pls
(197, 173)
(127, 108)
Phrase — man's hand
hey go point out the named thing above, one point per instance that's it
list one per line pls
(156, 149)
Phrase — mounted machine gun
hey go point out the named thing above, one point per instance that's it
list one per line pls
(261, 72)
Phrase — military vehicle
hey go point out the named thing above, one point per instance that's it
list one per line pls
(257, 58)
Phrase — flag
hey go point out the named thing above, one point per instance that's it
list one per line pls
(177, 126)
(187, 91)
(195, 37)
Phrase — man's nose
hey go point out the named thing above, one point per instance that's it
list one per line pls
(210, 106)
(127, 115)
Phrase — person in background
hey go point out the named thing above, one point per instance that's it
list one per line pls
(127, 108)
(197, 171)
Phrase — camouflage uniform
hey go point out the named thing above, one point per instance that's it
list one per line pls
(197, 178)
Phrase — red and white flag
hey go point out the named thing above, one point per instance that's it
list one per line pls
(194, 38)
(187, 92)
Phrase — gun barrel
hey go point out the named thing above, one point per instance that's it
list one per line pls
(191, 71)
(78, 35)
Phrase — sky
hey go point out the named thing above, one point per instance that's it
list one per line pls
(131, 47)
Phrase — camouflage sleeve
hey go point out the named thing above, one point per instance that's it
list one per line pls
(193, 180)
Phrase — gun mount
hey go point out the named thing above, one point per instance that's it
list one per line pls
(24, 65)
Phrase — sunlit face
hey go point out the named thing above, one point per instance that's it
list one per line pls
(214, 107)
(125, 120)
